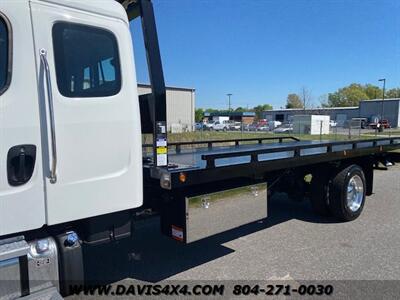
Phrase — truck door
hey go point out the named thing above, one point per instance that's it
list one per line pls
(22, 205)
(92, 128)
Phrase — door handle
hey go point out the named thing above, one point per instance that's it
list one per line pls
(20, 164)
(53, 164)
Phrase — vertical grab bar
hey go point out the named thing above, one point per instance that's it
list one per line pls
(53, 168)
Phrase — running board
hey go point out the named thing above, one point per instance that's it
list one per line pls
(29, 269)
(13, 248)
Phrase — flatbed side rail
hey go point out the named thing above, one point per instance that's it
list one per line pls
(210, 158)
(210, 143)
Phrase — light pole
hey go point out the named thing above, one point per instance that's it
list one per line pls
(229, 101)
(383, 96)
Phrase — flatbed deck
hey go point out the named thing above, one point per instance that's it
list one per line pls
(194, 157)
(221, 162)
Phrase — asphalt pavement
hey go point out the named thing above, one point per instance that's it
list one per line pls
(292, 244)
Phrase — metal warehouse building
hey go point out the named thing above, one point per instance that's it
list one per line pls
(366, 109)
(180, 107)
(391, 110)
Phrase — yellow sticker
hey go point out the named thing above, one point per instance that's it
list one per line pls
(161, 150)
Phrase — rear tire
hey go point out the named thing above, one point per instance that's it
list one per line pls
(347, 193)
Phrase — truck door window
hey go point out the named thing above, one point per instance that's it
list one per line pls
(87, 61)
(5, 61)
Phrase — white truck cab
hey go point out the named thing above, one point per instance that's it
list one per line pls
(75, 123)
(70, 131)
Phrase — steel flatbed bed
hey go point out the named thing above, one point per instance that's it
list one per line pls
(208, 161)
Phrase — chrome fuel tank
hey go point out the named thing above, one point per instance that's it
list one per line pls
(192, 215)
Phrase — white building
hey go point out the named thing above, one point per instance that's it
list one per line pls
(311, 124)
(180, 107)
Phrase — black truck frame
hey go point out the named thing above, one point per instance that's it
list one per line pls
(299, 168)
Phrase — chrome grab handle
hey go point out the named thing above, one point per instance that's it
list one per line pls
(53, 169)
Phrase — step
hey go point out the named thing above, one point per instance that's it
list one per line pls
(13, 248)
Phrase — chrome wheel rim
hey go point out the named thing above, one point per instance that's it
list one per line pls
(355, 193)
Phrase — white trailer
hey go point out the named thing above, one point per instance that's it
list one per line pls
(311, 124)
(220, 119)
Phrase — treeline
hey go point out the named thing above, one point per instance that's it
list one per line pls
(349, 95)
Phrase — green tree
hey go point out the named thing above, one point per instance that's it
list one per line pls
(393, 93)
(372, 91)
(294, 101)
(348, 96)
(259, 109)
(240, 109)
(198, 114)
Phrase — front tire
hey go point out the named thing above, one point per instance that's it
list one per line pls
(347, 193)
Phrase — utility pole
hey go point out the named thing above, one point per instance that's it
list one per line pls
(383, 96)
(229, 99)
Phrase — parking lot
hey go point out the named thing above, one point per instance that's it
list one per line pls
(292, 244)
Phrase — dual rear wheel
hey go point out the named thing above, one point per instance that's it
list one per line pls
(341, 194)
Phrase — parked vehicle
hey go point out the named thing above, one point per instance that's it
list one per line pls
(221, 126)
(251, 127)
(199, 126)
(384, 124)
(74, 178)
(235, 126)
(355, 123)
(262, 122)
(274, 124)
(257, 126)
(263, 127)
(285, 128)
(360, 122)
(209, 125)
(332, 123)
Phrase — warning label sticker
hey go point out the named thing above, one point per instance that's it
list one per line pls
(162, 160)
(161, 150)
(161, 143)
(177, 233)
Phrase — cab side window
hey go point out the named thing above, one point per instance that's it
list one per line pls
(5, 73)
(87, 61)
